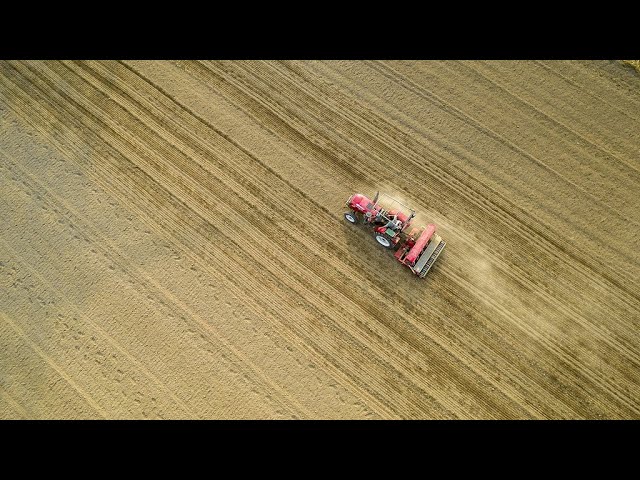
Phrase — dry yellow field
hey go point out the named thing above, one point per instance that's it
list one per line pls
(173, 244)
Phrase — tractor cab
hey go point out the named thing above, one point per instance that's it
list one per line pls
(393, 219)
(389, 216)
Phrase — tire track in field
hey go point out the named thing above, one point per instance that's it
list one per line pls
(480, 69)
(46, 359)
(557, 123)
(240, 278)
(591, 76)
(17, 407)
(147, 287)
(605, 75)
(574, 84)
(95, 331)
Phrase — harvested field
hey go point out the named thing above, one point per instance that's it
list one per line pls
(173, 244)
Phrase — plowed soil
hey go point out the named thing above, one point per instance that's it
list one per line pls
(173, 245)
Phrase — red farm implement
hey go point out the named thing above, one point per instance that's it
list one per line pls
(417, 248)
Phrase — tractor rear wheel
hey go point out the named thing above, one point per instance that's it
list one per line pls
(351, 217)
(383, 240)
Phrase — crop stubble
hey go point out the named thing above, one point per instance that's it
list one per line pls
(174, 245)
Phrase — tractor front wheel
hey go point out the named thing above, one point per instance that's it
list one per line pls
(383, 240)
(351, 217)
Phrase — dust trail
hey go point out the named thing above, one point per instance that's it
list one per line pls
(503, 298)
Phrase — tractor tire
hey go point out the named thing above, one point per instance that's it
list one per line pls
(383, 240)
(351, 217)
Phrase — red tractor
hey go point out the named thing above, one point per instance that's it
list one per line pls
(418, 249)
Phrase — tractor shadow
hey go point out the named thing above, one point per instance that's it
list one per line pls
(382, 270)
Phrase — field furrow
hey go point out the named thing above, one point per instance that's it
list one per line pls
(175, 246)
